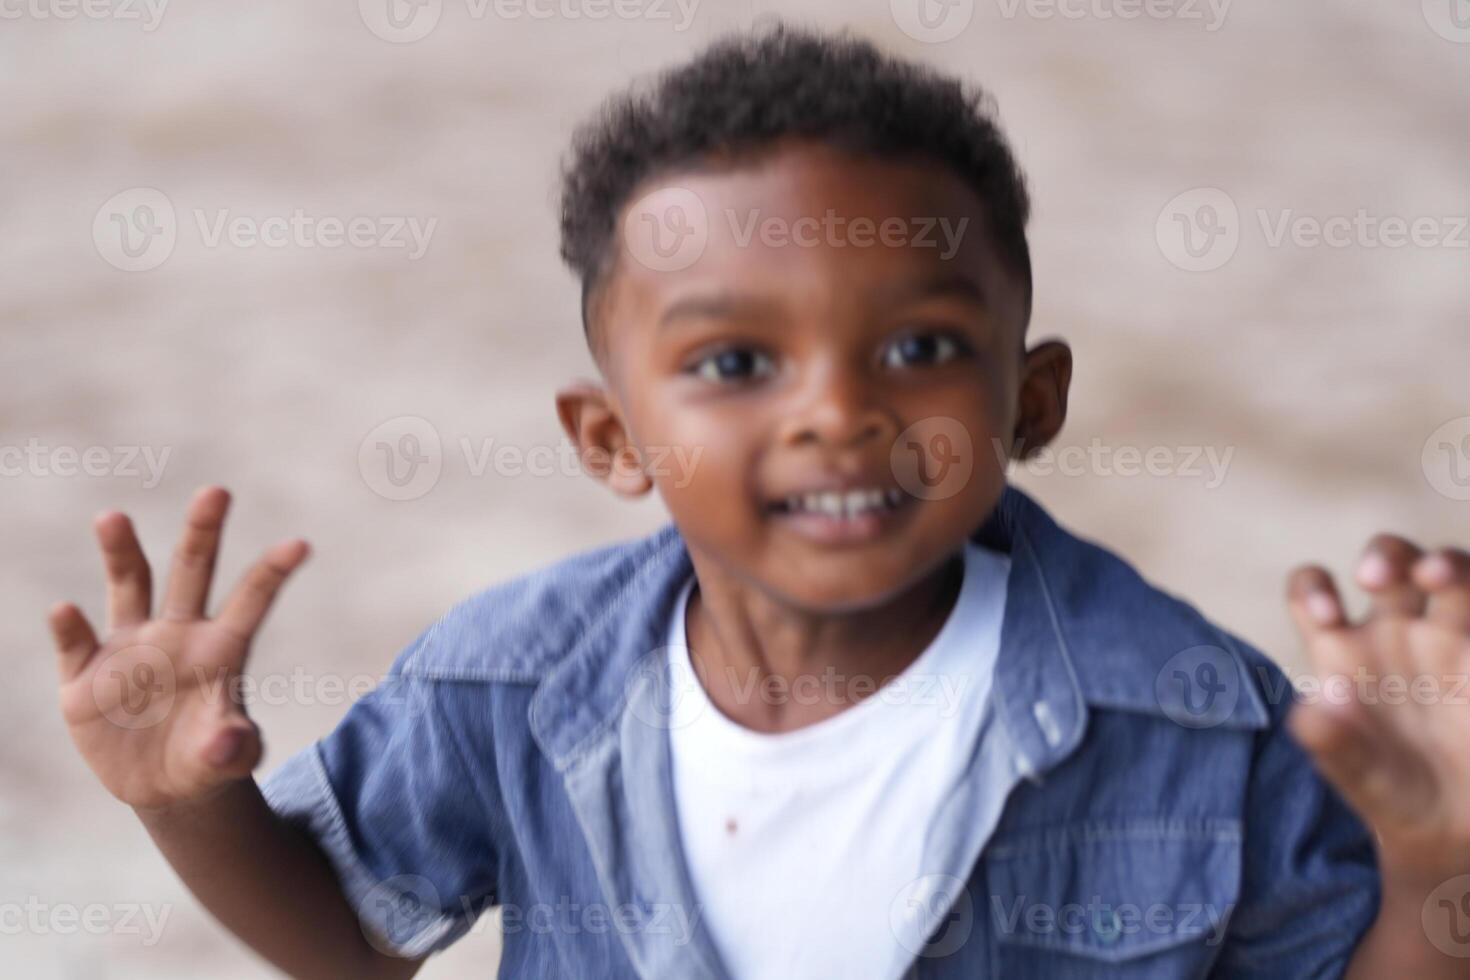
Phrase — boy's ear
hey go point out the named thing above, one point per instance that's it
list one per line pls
(1046, 374)
(596, 429)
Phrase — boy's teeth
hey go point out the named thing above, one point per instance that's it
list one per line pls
(844, 505)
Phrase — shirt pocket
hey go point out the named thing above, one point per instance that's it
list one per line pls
(1135, 897)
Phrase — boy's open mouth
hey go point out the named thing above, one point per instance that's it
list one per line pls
(840, 504)
(846, 516)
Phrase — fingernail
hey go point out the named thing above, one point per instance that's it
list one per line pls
(1374, 571)
(1322, 607)
(226, 746)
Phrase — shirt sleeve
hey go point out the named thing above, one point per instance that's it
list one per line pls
(390, 800)
(1309, 881)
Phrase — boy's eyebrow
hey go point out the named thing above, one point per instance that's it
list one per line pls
(956, 286)
(725, 305)
(710, 306)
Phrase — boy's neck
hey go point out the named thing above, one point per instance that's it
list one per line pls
(773, 668)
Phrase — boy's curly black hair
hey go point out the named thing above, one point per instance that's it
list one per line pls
(749, 90)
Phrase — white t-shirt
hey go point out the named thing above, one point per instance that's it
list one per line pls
(801, 844)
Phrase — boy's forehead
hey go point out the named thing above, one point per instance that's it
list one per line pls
(800, 170)
(806, 218)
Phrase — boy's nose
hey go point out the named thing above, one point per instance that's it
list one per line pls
(840, 412)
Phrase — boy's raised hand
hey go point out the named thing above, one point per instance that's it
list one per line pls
(151, 706)
(1391, 729)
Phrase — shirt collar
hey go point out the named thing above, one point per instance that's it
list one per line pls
(1082, 630)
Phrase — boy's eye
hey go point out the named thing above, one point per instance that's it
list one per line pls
(733, 364)
(921, 348)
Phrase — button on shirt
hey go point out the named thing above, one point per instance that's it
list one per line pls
(774, 826)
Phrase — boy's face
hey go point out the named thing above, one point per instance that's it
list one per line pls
(846, 328)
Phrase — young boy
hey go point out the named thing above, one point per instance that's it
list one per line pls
(862, 710)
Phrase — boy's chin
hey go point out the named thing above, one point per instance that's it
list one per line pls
(845, 584)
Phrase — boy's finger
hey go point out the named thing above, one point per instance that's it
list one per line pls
(194, 557)
(1445, 575)
(252, 598)
(129, 580)
(74, 638)
(1386, 573)
(1312, 598)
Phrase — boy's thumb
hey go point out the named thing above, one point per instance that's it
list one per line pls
(235, 749)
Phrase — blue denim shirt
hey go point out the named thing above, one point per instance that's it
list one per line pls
(1133, 808)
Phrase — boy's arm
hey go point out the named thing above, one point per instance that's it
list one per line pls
(1391, 730)
(1401, 945)
(269, 884)
(150, 708)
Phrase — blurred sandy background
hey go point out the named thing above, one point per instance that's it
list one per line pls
(1324, 370)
